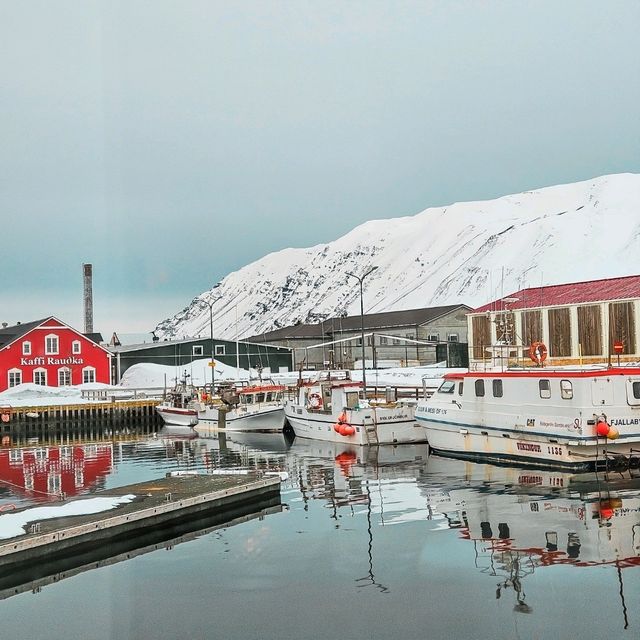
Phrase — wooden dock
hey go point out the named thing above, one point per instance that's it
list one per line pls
(68, 422)
(159, 505)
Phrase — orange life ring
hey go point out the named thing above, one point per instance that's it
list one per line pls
(315, 401)
(538, 352)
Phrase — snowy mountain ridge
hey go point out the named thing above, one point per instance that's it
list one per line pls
(468, 252)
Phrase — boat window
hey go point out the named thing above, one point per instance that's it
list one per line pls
(566, 389)
(248, 398)
(497, 388)
(352, 399)
(636, 390)
(259, 397)
(480, 388)
(545, 388)
(448, 386)
(460, 386)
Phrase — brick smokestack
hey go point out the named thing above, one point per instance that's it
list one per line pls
(87, 271)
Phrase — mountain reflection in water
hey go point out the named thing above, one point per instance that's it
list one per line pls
(370, 543)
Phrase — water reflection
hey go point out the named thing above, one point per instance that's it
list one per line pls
(399, 524)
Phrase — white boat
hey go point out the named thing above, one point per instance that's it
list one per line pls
(246, 407)
(560, 417)
(180, 407)
(331, 408)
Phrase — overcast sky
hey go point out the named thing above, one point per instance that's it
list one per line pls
(170, 143)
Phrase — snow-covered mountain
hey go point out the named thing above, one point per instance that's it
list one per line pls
(469, 252)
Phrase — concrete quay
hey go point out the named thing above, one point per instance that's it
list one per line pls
(166, 503)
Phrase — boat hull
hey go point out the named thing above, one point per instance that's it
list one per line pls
(396, 426)
(177, 417)
(468, 441)
(266, 420)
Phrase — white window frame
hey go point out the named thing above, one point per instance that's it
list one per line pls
(76, 347)
(384, 340)
(50, 351)
(433, 337)
(88, 370)
(12, 375)
(197, 350)
(26, 348)
(453, 337)
(40, 370)
(220, 350)
(63, 371)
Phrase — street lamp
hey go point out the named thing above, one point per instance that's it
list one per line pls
(360, 279)
(211, 364)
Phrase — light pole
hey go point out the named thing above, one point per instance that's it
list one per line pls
(360, 279)
(211, 364)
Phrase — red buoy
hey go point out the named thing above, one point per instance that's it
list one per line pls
(347, 430)
(602, 429)
(337, 427)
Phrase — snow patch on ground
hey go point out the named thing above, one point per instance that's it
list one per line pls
(12, 524)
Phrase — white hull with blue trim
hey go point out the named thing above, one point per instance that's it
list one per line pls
(576, 418)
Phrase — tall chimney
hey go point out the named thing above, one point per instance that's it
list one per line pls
(87, 271)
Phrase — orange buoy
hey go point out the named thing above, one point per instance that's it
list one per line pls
(603, 428)
(342, 418)
(336, 427)
(347, 430)
(613, 433)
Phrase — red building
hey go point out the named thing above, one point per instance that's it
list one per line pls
(50, 352)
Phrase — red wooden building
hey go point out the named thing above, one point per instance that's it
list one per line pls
(50, 352)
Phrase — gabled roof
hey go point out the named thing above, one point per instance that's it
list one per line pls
(390, 319)
(11, 334)
(385, 320)
(295, 332)
(590, 291)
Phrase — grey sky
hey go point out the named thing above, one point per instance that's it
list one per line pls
(170, 143)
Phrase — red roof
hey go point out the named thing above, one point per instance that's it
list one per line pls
(625, 288)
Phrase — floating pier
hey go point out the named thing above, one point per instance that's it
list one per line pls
(175, 501)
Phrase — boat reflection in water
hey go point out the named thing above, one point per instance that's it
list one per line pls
(521, 520)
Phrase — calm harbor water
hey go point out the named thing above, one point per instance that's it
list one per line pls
(368, 543)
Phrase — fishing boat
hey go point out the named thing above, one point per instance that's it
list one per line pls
(245, 406)
(576, 417)
(181, 405)
(333, 408)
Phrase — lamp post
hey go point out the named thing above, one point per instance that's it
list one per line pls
(360, 280)
(211, 364)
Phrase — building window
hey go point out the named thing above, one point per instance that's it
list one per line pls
(452, 337)
(51, 344)
(433, 337)
(40, 377)
(220, 350)
(409, 335)
(497, 388)
(197, 350)
(88, 375)
(26, 348)
(383, 340)
(566, 389)
(396, 341)
(64, 377)
(545, 388)
(75, 346)
(480, 388)
(15, 377)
